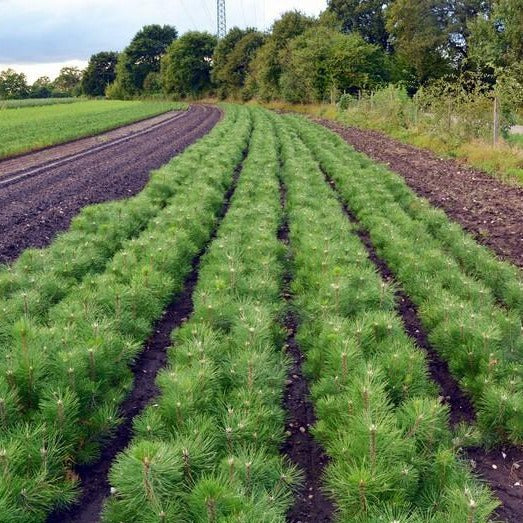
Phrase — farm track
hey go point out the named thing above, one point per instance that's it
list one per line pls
(94, 477)
(492, 466)
(310, 503)
(35, 208)
(487, 208)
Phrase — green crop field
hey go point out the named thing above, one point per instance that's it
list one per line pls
(30, 128)
(272, 218)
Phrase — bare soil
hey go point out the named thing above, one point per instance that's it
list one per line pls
(33, 210)
(489, 209)
(94, 477)
(502, 469)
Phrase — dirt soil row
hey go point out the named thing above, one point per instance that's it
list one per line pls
(310, 502)
(489, 209)
(94, 477)
(35, 209)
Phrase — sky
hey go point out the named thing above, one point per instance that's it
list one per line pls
(38, 37)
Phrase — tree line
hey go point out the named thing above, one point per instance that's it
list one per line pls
(353, 46)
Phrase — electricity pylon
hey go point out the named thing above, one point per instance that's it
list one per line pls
(222, 20)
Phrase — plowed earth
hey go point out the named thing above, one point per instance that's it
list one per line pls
(34, 209)
(487, 208)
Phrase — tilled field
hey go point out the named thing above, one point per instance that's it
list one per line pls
(292, 335)
(34, 209)
(484, 206)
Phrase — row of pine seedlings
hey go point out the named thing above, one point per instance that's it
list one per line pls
(208, 449)
(470, 303)
(392, 455)
(67, 344)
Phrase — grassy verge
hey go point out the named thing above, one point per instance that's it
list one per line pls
(456, 284)
(31, 128)
(209, 448)
(61, 382)
(505, 161)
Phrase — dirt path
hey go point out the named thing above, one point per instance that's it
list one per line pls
(490, 210)
(34, 209)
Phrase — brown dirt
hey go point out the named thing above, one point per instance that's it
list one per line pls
(489, 209)
(34, 209)
(502, 469)
(310, 503)
(94, 477)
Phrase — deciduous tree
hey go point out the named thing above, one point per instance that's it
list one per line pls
(186, 66)
(68, 82)
(100, 72)
(322, 62)
(267, 66)
(142, 56)
(13, 85)
(232, 59)
(365, 16)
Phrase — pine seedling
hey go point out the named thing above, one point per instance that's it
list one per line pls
(471, 503)
(424, 421)
(148, 474)
(9, 406)
(185, 392)
(213, 499)
(259, 471)
(60, 409)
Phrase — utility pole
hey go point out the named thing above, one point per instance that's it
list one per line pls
(222, 20)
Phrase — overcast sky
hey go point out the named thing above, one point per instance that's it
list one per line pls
(38, 37)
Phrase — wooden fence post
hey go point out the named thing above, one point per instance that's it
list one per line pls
(495, 126)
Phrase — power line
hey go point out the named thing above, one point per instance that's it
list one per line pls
(189, 16)
(207, 12)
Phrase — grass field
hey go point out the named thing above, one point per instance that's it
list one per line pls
(516, 139)
(30, 128)
(284, 261)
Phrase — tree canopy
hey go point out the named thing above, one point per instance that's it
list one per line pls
(143, 56)
(100, 72)
(367, 17)
(186, 67)
(68, 82)
(13, 85)
(321, 63)
(232, 59)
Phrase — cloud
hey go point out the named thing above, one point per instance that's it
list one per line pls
(37, 31)
(35, 71)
